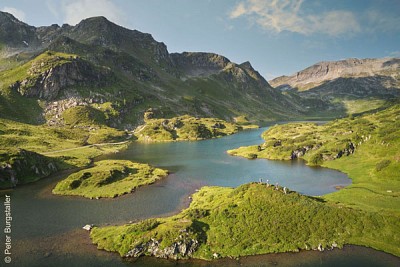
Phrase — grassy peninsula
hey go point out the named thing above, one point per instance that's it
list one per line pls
(186, 128)
(251, 219)
(365, 147)
(109, 178)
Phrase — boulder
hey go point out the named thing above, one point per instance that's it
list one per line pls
(87, 227)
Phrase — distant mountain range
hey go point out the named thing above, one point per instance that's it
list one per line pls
(351, 78)
(124, 74)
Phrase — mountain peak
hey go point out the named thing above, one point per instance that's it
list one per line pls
(7, 17)
(330, 70)
(246, 65)
(96, 20)
(15, 33)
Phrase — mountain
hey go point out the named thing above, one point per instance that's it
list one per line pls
(124, 73)
(345, 80)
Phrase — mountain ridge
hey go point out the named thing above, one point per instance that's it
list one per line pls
(147, 75)
(329, 70)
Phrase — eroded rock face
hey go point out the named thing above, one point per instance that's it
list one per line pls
(25, 165)
(49, 84)
(199, 64)
(183, 248)
(348, 150)
(300, 152)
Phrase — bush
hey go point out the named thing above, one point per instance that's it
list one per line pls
(316, 159)
(252, 156)
(198, 213)
(382, 164)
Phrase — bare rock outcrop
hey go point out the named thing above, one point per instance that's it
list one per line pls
(182, 248)
(48, 85)
(24, 165)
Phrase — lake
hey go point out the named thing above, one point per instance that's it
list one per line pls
(46, 229)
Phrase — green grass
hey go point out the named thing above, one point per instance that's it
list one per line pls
(83, 115)
(109, 178)
(362, 105)
(66, 147)
(254, 219)
(185, 128)
(374, 166)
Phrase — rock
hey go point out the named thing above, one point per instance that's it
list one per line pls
(298, 153)
(88, 227)
(26, 163)
(216, 255)
(320, 248)
(183, 247)
(277, 143)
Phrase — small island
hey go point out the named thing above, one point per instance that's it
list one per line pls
(185, 128)
(109, 178)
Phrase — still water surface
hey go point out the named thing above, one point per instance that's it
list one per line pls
(46, 229)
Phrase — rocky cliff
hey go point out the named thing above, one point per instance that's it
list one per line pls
(48, 84)
(15, 35)
(24, 166)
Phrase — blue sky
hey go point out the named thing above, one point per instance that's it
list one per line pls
(279, 37)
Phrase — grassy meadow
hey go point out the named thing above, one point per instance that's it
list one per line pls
(365, 147)
(253, 219)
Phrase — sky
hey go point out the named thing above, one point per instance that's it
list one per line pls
(278, 37)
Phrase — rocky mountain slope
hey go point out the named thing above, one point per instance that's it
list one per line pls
(351, 78)
(123, 73)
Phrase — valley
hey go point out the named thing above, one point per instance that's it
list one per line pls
(162, 153)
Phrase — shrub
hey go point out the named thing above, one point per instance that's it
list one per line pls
(198, 213)
(252, 156)
(382, 164)
(316, 159)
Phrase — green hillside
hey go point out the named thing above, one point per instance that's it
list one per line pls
(366, 148)
(251, 219)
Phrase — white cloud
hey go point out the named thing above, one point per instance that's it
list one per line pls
(287, 15)
(238, 11)
(76, 10)
(19, 14)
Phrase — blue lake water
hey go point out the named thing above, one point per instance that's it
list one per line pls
(46, 229)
